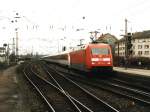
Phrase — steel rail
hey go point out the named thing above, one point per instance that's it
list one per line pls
(92, 95)
(126, 88)
(110, 90)
(131, 84)
(67, 94)
(41, 94)
(72, 100)
(138, 91)
(129, 96)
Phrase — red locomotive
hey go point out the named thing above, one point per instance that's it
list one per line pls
(89, 58)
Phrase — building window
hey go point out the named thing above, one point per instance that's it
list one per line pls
(146, 52)
(139, 52)
(1, 51)
(133, 40)
(139, 46)
(144, 40)
(122, 43)
(140, 41)
(133, 47)
(146, 46)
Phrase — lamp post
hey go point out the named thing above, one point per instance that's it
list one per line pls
(17, 50)
(16, 17)
(16, 31)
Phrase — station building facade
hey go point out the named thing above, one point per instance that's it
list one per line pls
(140, 45)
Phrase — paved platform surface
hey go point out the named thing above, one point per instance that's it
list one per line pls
(10, 100)
(133, 71)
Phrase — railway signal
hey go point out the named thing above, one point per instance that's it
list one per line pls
(129, 39)
(129, 44)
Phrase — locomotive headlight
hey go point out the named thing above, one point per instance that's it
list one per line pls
(106, 59)
(93, 63)
(95, 59)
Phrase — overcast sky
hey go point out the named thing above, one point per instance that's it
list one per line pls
(46, 24)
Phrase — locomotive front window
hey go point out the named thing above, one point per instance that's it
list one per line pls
(96, 51)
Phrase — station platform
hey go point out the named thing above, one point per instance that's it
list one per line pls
(134, 71)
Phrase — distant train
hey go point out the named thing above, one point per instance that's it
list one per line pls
(89, 58)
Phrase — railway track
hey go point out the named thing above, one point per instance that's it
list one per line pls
(140, 81)
(63, 95)
(133, 92)
(138, 94)
(83, 95)
(131, 84)
(144, 89)
(57, 100)
(115, 85)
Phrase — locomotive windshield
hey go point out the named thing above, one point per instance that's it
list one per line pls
(96, 51)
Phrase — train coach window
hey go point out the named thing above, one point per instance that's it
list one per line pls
(100, 51)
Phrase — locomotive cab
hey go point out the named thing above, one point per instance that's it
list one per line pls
(100, 58)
